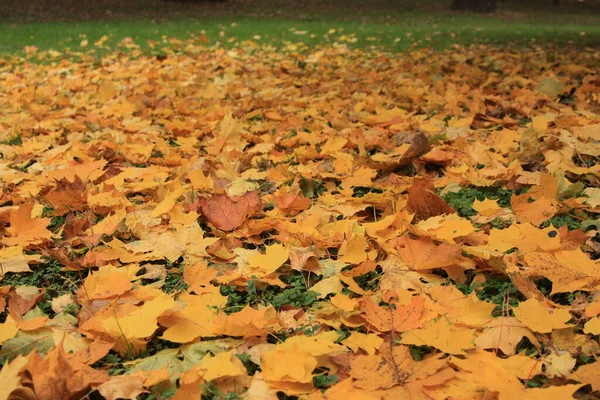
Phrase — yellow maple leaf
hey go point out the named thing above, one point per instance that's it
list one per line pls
(10, 379)
(107, 282)
(539, 318)
(368, 342)
(169, 196)
(504, 333)
(353, 251)
(589, 373)
(195, 319)
(443, 335)
(288, 366)
(327, 286)
(13, 259)
(108, 225)
(265, 264)
(592, 326)
(8, 329)
(446, 227)
(25, 230)
(224, 364)
(140, 323)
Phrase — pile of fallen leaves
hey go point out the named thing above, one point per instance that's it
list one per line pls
(325, 224)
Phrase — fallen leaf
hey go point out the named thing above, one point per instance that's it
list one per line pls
(587, 374)
(504, 334)
(442, 335)
(25, 230)
(230, 213)
(368, 342)
(398, 319)
(424, 202)
(10, 379)
(539, 318)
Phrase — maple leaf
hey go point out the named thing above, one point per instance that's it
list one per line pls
(393, 366)
(353, 251)
(592, 326)
(539, 318)
(107, 282)
(543, 206)
(443, 335)
(288, 366)
(168, 198)
(24, 229)
(446, 228)
(327, 286)
(486, 373)
(13, 259)
(424, 254)
(195, 320)
(304, 258)
(230, 213)
(137, 324)
(68, 196)
(10, 379)
(106, 227)
(200, 181)
(198, 277)
(504, 334)
(23, 298)
(57, 376)
(568, 270)
(259, 389)
(424, 203)
(229, 138)
(8, 329)
(248, 322)
(588, 374)
(132, 385)
(224, 364)
(398, 319)
(458, 308)
(87, 171)
(288, 202)
(368, 342)
(266, 264)
(558, 365)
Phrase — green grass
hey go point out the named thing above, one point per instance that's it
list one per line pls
(417, 30)
(295, 294)
(50, 276)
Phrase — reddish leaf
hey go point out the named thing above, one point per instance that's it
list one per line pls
(229, 213)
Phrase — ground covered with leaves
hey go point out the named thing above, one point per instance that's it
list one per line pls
(321, 223)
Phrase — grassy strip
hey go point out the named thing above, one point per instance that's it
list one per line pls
(422, 30)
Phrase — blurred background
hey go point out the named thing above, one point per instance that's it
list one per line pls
(313, 10)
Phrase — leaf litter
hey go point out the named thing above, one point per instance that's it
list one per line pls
(263, 223)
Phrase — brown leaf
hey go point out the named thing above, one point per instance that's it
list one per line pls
(68, 196)
(418, 142)
(304, 258)
(571, 240)
(23, 298)
(424, 202)
(423, 254)
(229, 213)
